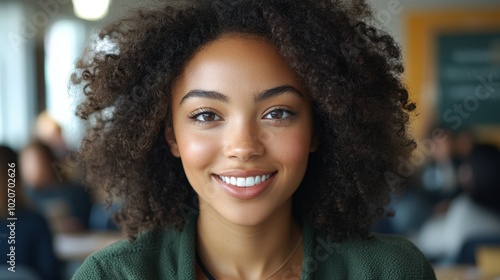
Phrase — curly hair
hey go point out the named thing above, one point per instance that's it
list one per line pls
(351, 70)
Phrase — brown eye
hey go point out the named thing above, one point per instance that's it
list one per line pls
(279, 114)
(206, 117)
(276, 114)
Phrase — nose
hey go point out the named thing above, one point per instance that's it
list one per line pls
(243, 141)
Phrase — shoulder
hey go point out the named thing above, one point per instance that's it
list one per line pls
(381, 257)
(390, 248)
(153, 255)
(119, 259)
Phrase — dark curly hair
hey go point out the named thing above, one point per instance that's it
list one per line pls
(351, 70)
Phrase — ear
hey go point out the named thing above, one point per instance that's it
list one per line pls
(171, 141)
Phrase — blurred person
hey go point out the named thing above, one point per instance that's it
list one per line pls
(34, 254)
(479, 175)
(439, 174)
(410, 210)
(472, 214)
(49, 132)
(66, 205)
(464, 144)
(430, 188)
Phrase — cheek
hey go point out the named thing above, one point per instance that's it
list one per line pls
(196, 151)
(292, 148)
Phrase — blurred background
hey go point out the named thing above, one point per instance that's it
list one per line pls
(450, 210)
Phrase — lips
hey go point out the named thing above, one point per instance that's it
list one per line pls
(244, 182)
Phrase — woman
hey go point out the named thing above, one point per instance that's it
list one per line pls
(33, 254)
(247, 140)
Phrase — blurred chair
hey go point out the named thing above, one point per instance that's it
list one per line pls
(467, 254)
(101, 218)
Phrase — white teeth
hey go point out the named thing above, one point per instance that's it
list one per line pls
(257, 180)
(250, 181)
(244, 182)
(240, 182)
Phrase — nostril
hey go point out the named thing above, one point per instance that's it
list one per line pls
(245, 153)
(243, 142)
(245, 150)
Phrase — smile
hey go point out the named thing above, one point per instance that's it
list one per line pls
(245, 182)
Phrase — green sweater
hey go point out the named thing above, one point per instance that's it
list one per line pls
(171, 255)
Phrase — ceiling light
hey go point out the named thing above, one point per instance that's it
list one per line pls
(91, 9)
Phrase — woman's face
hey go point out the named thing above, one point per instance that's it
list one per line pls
(242, 127)
(36, 169)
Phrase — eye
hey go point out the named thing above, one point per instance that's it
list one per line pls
(204, 116)
(279, 114)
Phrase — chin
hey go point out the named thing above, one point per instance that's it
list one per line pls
(246, 217)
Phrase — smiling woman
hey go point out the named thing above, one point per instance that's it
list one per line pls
(259, 145)
(243, 132)
(255, 122)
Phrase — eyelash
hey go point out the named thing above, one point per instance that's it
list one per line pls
(196, 114)
(290, 116)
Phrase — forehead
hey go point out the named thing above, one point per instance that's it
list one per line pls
(239, 63)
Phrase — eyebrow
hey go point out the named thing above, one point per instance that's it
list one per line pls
(278, 91)
(214, 95)
(205, 94)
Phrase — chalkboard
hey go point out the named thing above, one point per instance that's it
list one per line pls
(468, 79)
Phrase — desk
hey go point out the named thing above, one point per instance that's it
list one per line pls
(460, 273)
(76, 247)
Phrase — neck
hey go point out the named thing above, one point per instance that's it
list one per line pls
(232, 251)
